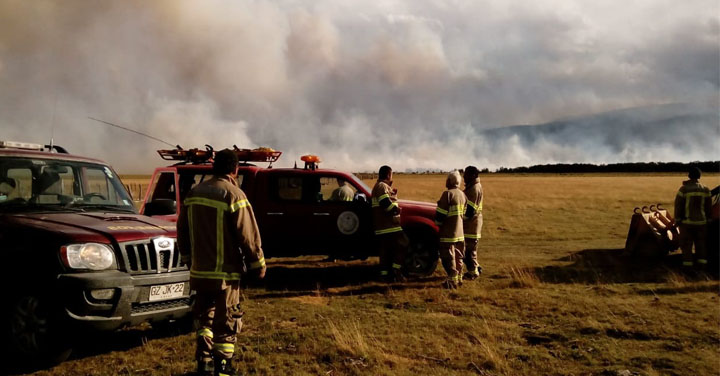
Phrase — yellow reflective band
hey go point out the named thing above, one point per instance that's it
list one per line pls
(479, 206)
(388, 230)
(239, 205)
(472, 236)
(258, 264)
(451, 240)
(441, 210)
(205, 332)
(702, 208)
(456, 210)
(472, 204)
(702, 261)
(192, 231)
(474, 272)
(382, 197)
(206, 202)
(396, 266)
(384, 272)
(687, 263)
(393, 205)
(215, 275)
(219, 240)
(224, 347)
(681, 194)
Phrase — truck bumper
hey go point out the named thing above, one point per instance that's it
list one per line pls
(129, 304)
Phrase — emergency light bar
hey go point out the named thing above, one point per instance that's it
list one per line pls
(20, 145)
(311, 161)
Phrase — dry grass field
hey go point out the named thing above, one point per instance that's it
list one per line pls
(557, 297)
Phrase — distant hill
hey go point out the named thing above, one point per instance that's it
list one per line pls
(673, 132)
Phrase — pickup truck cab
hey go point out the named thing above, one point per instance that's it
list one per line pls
(77, 254)
(296, 210)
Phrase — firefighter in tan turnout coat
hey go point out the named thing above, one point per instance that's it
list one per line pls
(473, 221)
(692, 208)
(386, 219)
(218, 236)
(449, 217)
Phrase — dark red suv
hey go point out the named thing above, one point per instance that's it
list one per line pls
(77, 255)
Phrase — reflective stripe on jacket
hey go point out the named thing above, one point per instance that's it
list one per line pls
(692, 203)
(386, 212)
(449, 215)
(473, 219)
(218, 232)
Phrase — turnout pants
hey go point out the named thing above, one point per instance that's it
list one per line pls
(217, 329)
(451, 255)
(697, 235)
(392, 248)
(471, 251)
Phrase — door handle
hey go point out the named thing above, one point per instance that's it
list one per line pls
(321, 214)
(275, 213)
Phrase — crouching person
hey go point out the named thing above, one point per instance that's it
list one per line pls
(449, 217)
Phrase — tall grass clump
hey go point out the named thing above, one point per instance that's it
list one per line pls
(523, 278)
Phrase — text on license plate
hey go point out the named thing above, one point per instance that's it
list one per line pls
(169, 291)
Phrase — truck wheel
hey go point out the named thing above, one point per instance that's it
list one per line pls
(422, 256)
(36, 332)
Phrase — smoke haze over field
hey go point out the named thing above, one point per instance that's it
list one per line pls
(414, 84)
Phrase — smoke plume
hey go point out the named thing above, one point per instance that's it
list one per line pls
(414, 84)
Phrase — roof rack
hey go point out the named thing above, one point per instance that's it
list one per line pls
(197, 156)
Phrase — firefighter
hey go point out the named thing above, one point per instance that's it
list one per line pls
(449, 217)
(218, 238)
(386, 218)
(343, 192)
(472, 221)
(692, 206)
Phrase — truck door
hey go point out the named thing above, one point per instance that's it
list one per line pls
(283, 218)
(340, 221)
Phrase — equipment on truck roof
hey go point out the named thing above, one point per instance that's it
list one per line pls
(198, 156)
(311, 161)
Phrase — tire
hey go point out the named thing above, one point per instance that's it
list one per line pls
(36, 332)
(422, 254)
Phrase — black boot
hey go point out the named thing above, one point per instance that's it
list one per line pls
(205, 367)
(224, 367)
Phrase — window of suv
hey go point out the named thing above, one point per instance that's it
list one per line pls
(49, 184)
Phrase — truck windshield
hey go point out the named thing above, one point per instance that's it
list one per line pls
(32, 184)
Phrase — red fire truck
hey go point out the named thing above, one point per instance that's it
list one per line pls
(295, 209)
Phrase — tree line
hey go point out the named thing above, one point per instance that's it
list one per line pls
(559, 168)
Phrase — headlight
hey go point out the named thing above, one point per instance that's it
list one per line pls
(93, 256)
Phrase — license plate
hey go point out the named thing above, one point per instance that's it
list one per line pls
(169, 291)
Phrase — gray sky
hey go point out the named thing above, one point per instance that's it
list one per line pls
(407, 83)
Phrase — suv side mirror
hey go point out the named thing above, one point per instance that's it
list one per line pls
(160, 206)
(360, 197)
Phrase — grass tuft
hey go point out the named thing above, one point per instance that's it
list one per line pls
(523, 278)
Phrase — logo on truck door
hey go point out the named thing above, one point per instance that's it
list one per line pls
(348, 223)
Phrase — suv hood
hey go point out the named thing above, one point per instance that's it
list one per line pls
(99, 227)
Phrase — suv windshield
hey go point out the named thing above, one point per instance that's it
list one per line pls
(33, 184)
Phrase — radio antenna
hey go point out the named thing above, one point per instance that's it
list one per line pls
(132, 130)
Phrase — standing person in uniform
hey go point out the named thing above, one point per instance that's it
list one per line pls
(386, 219)
(449, 217)
(218, 236)
(473, 221)
(343, 192)
(692, 206)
